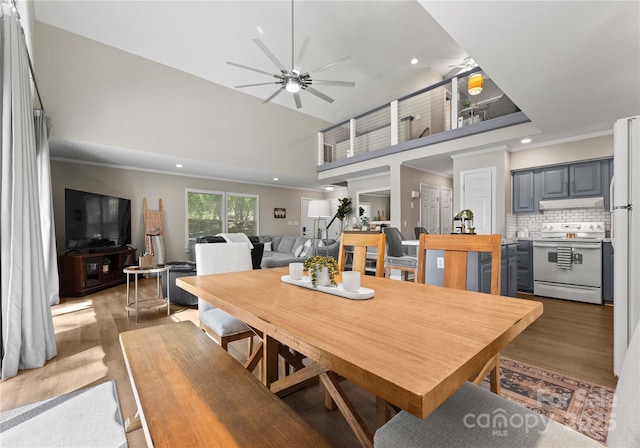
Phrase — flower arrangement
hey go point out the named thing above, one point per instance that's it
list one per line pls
(316, 263)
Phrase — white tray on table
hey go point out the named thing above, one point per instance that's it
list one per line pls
(305, 282)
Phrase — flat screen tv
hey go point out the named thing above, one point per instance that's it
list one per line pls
(95, 222)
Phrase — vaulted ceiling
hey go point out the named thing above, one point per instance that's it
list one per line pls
(572, 67)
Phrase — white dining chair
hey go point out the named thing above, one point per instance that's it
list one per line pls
(217, 258)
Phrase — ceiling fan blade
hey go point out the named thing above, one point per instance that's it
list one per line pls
(296, 96)
(330, 64)
(254, 85)
(270, 55)
(319, 94)
(334, 83)
(277, 92)
(250, 68)
(302, 53)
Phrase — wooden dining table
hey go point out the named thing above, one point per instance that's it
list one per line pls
(411, 345)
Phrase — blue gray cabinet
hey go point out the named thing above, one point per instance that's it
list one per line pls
(555, 182)
(523, 192)
(585, 179)
(508, 271)
(525, 266)
(607, 272)
(582, 179)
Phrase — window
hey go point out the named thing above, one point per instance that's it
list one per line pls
(213, 212)
(242, 211)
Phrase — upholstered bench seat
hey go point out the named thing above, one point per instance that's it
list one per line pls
(475, 417)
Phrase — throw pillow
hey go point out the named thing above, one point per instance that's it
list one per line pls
(306, 248)
(267, 247)
(298, 251)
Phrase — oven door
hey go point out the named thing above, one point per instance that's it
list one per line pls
(568, 270)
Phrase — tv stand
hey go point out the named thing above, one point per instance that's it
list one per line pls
(82, 273)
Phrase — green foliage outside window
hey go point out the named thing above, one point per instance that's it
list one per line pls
(206, 214)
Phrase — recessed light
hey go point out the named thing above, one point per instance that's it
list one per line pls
(329, 187)
(178, 165)
(525, 140)
(414, 61)
(276, 179)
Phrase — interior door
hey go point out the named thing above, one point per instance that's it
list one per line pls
(477, 196)
(429, 210)
(446, 209)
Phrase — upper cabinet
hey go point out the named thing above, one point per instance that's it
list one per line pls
(523, 194)
(583, 179)
(555, 182)
(586, 179)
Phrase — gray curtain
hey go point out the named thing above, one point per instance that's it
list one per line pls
(28, 339)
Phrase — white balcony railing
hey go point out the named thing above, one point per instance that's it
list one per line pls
(436, 109)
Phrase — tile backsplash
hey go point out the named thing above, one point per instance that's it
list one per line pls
(534, 222)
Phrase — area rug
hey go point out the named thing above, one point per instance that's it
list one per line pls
(575, 403)
(87, 417)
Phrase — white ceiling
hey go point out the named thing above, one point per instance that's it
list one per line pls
(572, 67)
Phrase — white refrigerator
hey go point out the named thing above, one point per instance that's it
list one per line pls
(625, 233)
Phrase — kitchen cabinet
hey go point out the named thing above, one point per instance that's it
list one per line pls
(523, 192)
(508, 271)
(555, 182)
(585, 179)
(607, 272)
(575, 180)
(525, 266)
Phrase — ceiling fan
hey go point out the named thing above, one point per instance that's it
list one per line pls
(294, 80)
(467, 62)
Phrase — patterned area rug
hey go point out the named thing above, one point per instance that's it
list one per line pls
(84, 418)
(575, 403)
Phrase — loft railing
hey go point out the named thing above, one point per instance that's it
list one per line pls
(437, 109)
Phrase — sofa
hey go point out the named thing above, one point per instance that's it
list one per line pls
(281, 250)
(188, 268)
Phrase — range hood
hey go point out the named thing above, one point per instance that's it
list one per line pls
(559, 204)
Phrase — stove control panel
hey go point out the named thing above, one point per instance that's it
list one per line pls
(573, 230)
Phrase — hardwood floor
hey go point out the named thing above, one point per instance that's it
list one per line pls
(571, 338)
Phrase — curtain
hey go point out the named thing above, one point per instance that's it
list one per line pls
(28, 339)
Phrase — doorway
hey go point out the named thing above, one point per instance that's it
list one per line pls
(477, 194)
(429, 209)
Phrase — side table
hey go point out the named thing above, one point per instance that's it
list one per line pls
(150, 305)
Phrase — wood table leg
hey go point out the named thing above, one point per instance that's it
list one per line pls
(331, 382)
(383, 412)
(133, 423)
(270, 348)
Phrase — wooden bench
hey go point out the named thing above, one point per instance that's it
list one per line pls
(190, 392)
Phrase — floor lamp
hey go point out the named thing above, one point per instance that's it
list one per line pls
(320, 210)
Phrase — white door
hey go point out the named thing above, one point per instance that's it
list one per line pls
(307, 223)
(477, 196)
(429, 210)
(446, 206)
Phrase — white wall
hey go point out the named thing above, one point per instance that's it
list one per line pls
(98, 94)
(592, 148)
(136, 185)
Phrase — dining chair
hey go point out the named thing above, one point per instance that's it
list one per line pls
(459, 420)
(456, 249)
(397, 258)
(217, 258)
(361, 242)
(418, 231)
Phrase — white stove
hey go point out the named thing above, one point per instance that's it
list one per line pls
(567, 261)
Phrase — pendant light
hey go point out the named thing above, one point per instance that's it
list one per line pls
(476, 82)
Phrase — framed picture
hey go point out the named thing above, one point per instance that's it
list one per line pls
(279, 213)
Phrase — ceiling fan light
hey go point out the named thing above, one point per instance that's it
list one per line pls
(476, 82)
(292, 86)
